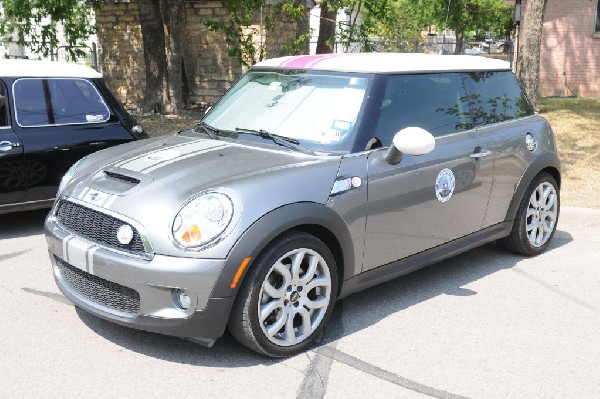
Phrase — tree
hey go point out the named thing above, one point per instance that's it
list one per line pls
(472, 16)
(530, 41)
(161, 23)
(36, 24)
(327, 24)
(154, 55)
(241, 31)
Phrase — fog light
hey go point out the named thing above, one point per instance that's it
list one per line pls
(183, 299)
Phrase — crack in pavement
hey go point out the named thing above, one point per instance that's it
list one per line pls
(7, 289)
(50, 295)
(555, 290)
(317, 373)
(380, 373)
(13, 255)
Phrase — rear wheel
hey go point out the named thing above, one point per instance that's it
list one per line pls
(535, 223)
(287, 297)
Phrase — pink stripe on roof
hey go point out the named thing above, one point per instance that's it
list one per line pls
(306, 61)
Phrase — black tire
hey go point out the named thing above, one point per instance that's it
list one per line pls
(292, 304)
(520, 240)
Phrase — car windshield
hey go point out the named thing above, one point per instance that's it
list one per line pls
(317, 109)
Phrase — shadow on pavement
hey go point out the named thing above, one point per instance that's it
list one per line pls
(351, 314)
(22, 224)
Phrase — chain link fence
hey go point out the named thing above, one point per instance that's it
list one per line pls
(13, 50)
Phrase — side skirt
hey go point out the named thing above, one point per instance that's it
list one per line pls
(26, 206)
(422, 259)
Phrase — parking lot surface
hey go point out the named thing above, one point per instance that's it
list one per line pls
(485, 324)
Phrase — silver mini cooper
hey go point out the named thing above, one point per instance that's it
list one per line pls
(312, 178)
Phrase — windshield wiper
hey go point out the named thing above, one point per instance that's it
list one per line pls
(283, 141)
(212, 132)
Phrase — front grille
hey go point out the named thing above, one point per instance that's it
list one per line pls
(120, 176)
(96, 226)
(99, 290)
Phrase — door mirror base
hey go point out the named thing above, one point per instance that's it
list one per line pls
(411, 141)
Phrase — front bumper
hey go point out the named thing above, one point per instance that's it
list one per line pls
(139, 293)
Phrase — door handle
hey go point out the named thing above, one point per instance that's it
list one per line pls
(7, 145)
(481, 153)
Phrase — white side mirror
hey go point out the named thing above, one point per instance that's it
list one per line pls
(411, 141)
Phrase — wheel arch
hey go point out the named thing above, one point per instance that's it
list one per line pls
(547, 162)
(308, 217)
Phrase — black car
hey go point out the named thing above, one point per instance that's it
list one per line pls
(51, 115)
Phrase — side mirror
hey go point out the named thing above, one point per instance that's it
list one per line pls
(411, 141)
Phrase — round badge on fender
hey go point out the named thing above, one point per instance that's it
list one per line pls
(125, 234)
(444, 185)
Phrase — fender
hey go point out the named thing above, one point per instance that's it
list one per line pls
(548, 160)
(273, 224)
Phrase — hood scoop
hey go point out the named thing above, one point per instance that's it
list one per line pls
(118, 181)
(120, 176)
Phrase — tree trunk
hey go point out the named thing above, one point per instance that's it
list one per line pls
(154, 55)
(459, 43)
(173, 12)
(327, 24)
(530, 41)
(303, 26)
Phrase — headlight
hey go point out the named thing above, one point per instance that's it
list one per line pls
(68, 176)
(202, 220)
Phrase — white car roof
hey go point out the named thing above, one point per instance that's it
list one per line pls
(44, 69)
(387, 63)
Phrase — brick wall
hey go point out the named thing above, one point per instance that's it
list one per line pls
(570, 49)
(209, 69)
(120, 51)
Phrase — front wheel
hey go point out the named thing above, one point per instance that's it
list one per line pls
(287, 297)
(535, 223)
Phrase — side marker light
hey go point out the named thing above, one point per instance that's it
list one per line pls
(240, 271)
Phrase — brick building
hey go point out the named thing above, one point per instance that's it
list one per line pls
(209, 69)
(570, 52)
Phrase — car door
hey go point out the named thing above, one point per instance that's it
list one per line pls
(59, 121)
(428, 200)
(12, 186)
(504, 118)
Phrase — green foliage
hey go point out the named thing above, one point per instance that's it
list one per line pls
(241, 29)
(474, 18)
(397, 25)
(35, 24)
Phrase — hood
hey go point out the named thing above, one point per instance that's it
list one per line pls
(148, 181)
(185, 162)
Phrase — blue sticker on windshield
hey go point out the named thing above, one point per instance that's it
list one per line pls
(341, 126)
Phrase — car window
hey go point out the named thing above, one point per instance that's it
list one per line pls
(3, 107)
(47, 102)
(495, 97)
(318, 109)
(430, 101)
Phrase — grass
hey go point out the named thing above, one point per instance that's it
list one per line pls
(576, 125)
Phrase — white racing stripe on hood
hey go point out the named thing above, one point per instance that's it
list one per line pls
(165, 156)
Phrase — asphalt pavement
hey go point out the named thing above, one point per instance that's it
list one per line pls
(485, 324)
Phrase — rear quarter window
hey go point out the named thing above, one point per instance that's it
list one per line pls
(57, 101)
(495, 97)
